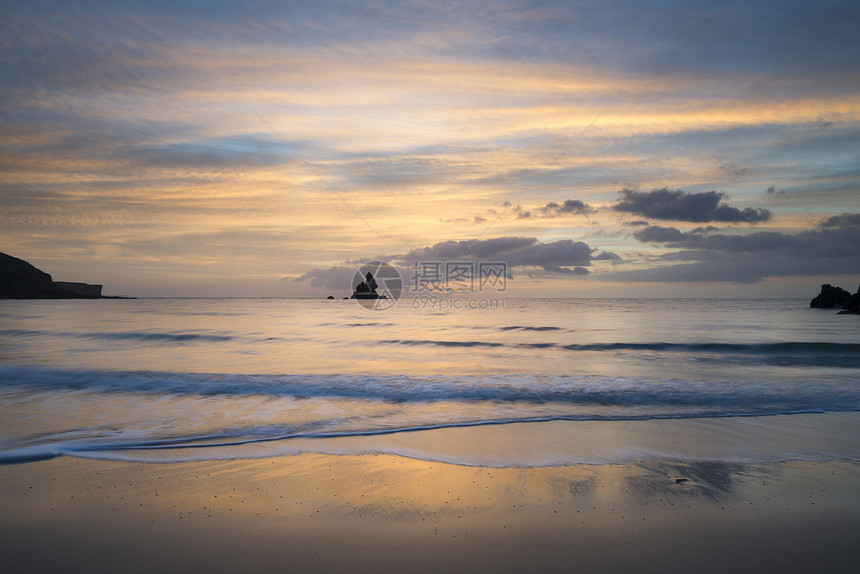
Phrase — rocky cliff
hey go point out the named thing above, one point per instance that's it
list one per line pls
(20, 280)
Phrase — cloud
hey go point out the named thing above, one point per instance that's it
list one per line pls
(842, 220)
(570, 206)
(824, 121)
(474, 249)
(566, 270)
(331, 278)
(657, 234)
(522, 213)
(564, 256)
(774, 191)
(833, 236)
(553, 209)
(761, 241)
(475, 220)
(829, 248)
(679, 205)
(515, 251)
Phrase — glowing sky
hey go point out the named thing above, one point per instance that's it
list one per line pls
(673, 148)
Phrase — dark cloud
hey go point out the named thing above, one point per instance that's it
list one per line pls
(774, 191)
(636, 223)
(608, 256)
(474, 249)
(570, 206)
(563, 256)
(678, 205)
(835, 235)
(657, 234)
(842, 220)
(761, 241)
(562, 253)
(567, 270)
(553, 209)
(706, 229)
(829, 248)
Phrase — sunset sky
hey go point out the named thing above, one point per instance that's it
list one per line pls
(600, 148)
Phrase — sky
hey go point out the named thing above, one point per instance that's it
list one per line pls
(598, 148)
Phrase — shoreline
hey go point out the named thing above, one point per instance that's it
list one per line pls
(500, 444)
(372, 513)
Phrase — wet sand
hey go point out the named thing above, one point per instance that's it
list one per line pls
(320, 513)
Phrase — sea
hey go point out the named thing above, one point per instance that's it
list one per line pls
(490, 382)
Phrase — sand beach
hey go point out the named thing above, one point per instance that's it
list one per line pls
(383, 513)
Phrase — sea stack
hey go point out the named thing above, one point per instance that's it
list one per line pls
(830, 297)
(367, 288)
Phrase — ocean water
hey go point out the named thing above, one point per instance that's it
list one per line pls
(490, 382)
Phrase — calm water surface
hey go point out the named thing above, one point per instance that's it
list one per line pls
(183, 379)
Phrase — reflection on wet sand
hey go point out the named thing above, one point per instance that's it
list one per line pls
(373, 513)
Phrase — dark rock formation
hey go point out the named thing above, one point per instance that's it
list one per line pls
(330, 297)
(80, 288)
(367, 289)
(830, 297)
(852, 305)
(20, 280)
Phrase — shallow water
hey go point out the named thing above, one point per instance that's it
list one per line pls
(188, 379)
